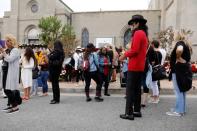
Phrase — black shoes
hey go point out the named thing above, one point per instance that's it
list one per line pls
(88, 99)
(127, 117)
(106, 94)
(131, 117)
(137, 114)
(98, 99)
(12, 110)
(54, 102)
(8, 108)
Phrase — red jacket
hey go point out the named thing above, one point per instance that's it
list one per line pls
(137, 52)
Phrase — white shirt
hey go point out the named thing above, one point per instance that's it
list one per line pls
(163, 53)
(76, 58)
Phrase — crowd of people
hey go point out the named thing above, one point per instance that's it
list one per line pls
(35, 67)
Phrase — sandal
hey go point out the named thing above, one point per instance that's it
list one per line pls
(25, 98)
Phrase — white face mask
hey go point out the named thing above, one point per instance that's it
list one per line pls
(131, 27)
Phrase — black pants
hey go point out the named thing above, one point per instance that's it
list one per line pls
(145, 88)
(5, 72)
(79, 75)
(54, 77)
(105, 81)
(68, 75)
(11, 99)
(133, 92)
(95, 76)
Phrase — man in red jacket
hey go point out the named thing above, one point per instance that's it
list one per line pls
(136, 65)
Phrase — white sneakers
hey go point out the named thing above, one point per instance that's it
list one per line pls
(153, 101)
(174, 114)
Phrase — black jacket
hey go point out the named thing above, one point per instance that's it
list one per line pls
(185, 55)
(56, 59)
(182, 70)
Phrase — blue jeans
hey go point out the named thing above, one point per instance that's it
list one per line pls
(44, 77)
(180, 106)
(34, 88)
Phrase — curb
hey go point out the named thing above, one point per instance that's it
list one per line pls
(119, 91)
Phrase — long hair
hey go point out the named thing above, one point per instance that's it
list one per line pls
(87, 53)
(141, 26)
(58, 45)
(101, 51)
(29, 53)
(182, 36)
(90, 48)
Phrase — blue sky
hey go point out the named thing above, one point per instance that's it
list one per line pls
(92, 5)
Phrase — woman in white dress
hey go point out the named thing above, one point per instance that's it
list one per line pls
(27, 62)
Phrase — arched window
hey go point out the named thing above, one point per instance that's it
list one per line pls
(33, 36)
(85, 38)
(127, 37)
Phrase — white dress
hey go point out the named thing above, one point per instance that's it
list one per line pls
(26, 72)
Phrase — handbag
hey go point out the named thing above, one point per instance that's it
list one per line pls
(35, 72)
(159, 73)
(149, 76)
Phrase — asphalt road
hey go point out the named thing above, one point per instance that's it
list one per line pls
(74, 114)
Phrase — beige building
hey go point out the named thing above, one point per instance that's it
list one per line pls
(22, 20)
(179, 14)
(96, 27)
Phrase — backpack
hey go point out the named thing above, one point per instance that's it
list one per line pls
(80, 63)
(86, 65)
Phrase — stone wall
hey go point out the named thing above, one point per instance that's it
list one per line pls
(179, 14)
(112, 24)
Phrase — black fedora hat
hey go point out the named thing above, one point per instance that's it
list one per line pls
(137, 18)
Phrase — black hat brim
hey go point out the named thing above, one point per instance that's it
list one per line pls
(137, 20)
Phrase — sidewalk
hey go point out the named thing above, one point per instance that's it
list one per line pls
(114, 87)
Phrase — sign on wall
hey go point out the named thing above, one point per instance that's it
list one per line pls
(100, 42)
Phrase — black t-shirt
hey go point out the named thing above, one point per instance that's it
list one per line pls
(157, 58)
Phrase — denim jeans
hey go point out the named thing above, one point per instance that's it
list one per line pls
(155, 88)
(180, 106)
(44, 77)
(34, 88)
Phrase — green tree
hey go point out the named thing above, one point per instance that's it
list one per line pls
(166, 38)
(69, 39)
(52, 29)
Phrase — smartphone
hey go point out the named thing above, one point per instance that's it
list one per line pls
(2, 44)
